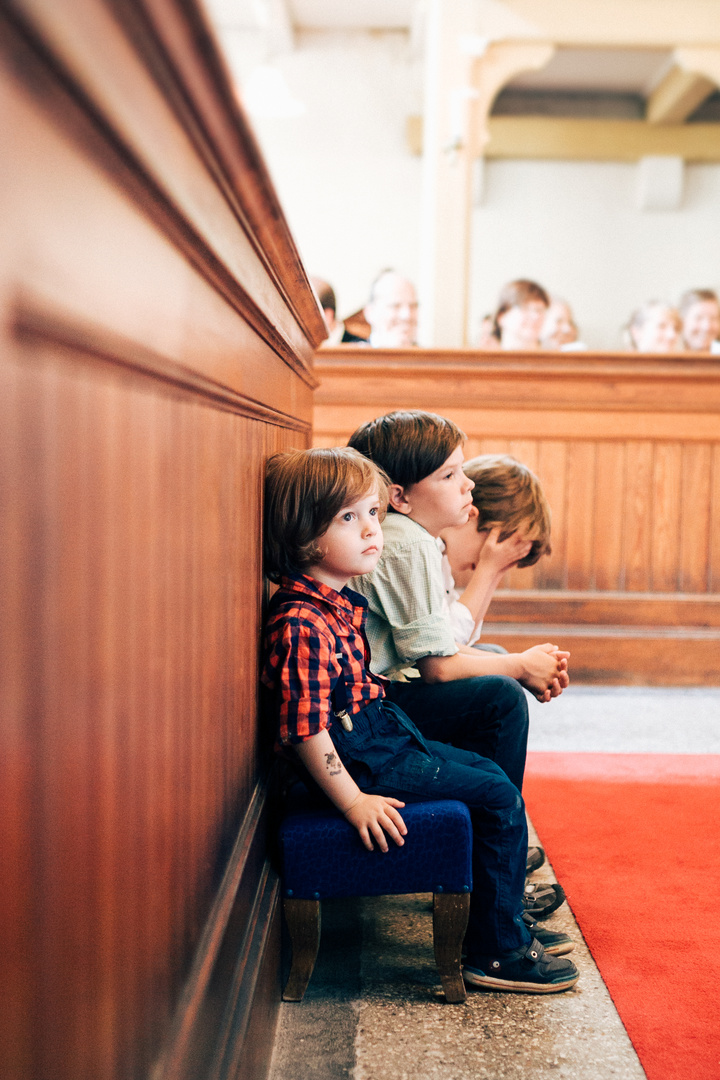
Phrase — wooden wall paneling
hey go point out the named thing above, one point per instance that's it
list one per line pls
(695, 517)
(666, 511)
(609, 434)
(637, 516)
(157, 333)
(714, 578)
(610, 480)
(550, 572)
(18, 698)
(526, 451)
(657, 658)
(580, 514)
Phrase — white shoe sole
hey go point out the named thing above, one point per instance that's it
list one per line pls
(487, 982)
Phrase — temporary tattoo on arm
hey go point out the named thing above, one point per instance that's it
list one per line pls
(333, 765)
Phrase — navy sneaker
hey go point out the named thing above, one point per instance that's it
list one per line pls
(528, 970)
(535, 859)
(540, 899)
(552, 941)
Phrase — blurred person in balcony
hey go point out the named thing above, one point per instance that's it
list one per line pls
(485, 338)
(337, 331)
(700, 314)
(559, 330)
(392, 311)
(654, 327)
(520, 314)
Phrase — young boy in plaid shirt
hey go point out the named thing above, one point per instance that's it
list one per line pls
(322, 526)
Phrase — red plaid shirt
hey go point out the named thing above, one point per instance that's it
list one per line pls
(300, 663)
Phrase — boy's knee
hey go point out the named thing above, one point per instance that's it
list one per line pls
(505, 800)
(512, 693)
(506, 694)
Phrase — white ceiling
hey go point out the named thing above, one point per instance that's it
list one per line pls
(620, 71)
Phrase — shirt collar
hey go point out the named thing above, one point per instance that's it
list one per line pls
(346, 601)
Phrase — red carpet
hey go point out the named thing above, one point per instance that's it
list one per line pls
(635, 842)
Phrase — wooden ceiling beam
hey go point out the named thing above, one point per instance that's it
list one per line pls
(678, 96)
(550, 138)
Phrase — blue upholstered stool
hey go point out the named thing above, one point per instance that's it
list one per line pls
(322, 856)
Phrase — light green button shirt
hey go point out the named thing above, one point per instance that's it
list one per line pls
(408, 614)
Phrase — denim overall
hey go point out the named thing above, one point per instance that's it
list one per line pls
(386, 755)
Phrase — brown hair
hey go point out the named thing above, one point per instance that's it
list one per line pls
(508, 494)
(304, 490)
(408, 445)
(515, 294)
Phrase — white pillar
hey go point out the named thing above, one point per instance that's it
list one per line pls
(459, 92)
(445, 174)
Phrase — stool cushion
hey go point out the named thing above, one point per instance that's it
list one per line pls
(323, 856)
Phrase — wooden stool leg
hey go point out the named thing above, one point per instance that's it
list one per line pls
(303, 920)
(450, 919)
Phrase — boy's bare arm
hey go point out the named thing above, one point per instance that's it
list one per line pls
(370, 814)
(495, 558)
(541, 669)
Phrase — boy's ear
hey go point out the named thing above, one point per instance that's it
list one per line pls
(397, 499)
(474, 513)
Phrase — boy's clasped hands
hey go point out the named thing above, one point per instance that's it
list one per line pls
(545, 666)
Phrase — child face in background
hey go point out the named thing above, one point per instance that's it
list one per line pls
(352, 543)
(441, 499)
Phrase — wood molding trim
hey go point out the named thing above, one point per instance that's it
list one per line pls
(640, 610)
(239, 210)
(36, 320)
(492, 382)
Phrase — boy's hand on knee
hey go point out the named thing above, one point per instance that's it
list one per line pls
(371, 814)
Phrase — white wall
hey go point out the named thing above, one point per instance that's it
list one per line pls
(575, 228)
(348, 185)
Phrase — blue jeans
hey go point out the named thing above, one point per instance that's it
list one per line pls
(387, 755)
(487, 714)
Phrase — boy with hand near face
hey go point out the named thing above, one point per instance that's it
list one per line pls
(452, 692)
(322, 527)
(508, 527)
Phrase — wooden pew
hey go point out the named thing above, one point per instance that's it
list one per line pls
(628, 450)
(157, 333)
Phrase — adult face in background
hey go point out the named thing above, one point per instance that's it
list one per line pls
(520, 314)
(559, 327)
(521, 325)
(655, 328)
(701, 325)
(392, 312)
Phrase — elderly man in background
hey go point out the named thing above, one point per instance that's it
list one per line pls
(392, 311)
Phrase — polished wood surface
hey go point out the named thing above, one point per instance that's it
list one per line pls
(627, 447)
(157, 338)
